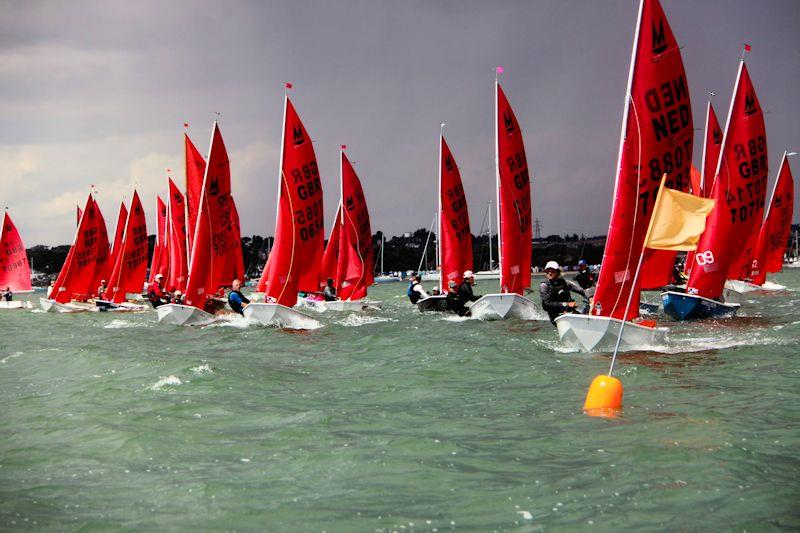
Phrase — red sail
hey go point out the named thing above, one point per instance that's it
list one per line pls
(77, 276)
(130, 267)
(239, 256)
(296, 259)
(711, 148)
(195, 170)
(330, 259)
(15, 272)
(215, 262)
(513, 199)
(656, 139)
(355, 262)
(777, 225)
(455, 247)
(176, 244)
(160, 261)
(119, 231)
(697, 181)
(103, 262)
(739, 190)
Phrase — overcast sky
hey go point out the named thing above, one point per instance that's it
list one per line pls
(97, 93)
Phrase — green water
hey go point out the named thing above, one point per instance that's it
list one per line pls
(395, 420)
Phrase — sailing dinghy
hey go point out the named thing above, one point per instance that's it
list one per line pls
(772, 238)
(355, 261)
(513, 187)
(130, 265)
(739, 190)
(656, 137)
(214, 262)
(15, 271)
(454, 242)
(295, 261)
(85, 262)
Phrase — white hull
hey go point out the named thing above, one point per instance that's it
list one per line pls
(52, 306)
(272, 314)
(744, 287)
(320, 306)
(388, 279)
(599, 333)
(15, 304)
(504, 306)
(183, 315)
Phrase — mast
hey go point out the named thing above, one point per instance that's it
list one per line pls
(705, 142)
(383, 240)
(497, 185)
(439, 213)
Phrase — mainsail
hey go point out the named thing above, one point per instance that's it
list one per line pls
(159, 264)
(77, 274)
(176, 243)
(740, 185)
(656, 139)
(296, 258)
(330, 258)
(15, 271)
(119, 232)
(214, 261)
(455, 239)
(356, 257)
(195, 170)
(102, 266)
(513, 198)
(130, 268)
(776, 227)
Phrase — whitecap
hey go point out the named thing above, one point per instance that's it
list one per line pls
(202, 369)
(230, 320)
(355, 320)
(119, 324)
(11, 356)
(164, 381)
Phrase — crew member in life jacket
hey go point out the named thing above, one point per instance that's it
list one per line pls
(329, 292)
(465, 293)
(585, 277)
(7, 294)
(155, 292)
(416, 291)
(555, 290)
(236, 299)
(101, 290)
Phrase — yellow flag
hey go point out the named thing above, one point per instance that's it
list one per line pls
(678, 220)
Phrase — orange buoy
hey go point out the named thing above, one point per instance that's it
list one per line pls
(605, 394)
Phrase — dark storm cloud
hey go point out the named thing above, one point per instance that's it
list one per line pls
(96, 93)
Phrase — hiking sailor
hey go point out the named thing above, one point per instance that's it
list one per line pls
(155, 292)
(236, 299)
(415, 290)
(555, 290)
(329, 292)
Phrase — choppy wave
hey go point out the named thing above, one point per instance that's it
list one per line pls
(202, 369)
(11, 356)
(118, 323)
(166, 381)
(355, 320)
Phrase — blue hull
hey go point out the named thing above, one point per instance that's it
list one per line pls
(682, 306)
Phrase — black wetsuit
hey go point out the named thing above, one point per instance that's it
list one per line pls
(8, 295)
(329, 293)
(585, 278)
(555, 296)
(237, 300)
(465, 295)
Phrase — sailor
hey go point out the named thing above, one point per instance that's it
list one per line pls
(416, 291)
(465, 292)
(101, 290)
(555, 290)
(236, 299)
(678, 277)
(453, 301)
(7, 294)
(177, 298)
(155, 292)
(585, 277)
(329, 292)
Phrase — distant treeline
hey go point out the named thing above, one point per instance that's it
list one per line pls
(401, 253)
